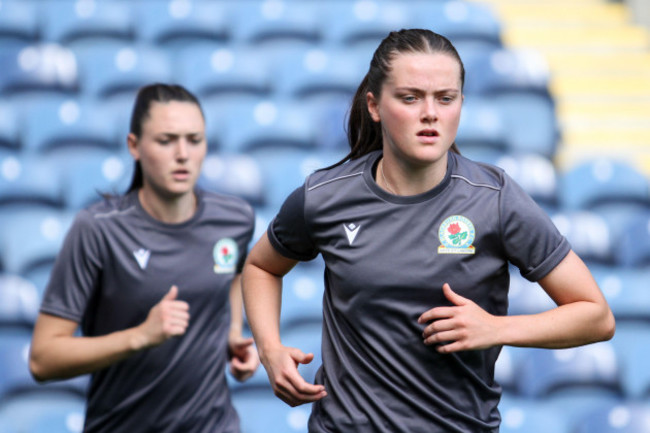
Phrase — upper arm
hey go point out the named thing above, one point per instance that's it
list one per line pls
(263, 256)
(571, 281)
(48, 327)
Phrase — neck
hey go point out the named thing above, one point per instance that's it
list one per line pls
(168, 210)
(404, 179)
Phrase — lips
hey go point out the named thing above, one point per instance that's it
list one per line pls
(428, 133)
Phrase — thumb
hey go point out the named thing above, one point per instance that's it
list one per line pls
(300, 357)
(172, 294)
(452, 296)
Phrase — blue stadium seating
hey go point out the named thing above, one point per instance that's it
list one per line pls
(302, 296)
(18, 23)
(9, 127)
(68, 122)
(632, 417)
(526, 297)
(544, 372)
(597, 182)
(19, 301)
(259, 408)
(114, 69)
(520, 415)
(218, 74)
(37, 69)
(589, 233)
(234, 174)
(175, 24)
(630, 342)
(76, 23)
(626, 290)
(43, 412)
(31, 238)
(28, 180)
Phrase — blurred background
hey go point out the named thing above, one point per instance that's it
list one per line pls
(557, 93)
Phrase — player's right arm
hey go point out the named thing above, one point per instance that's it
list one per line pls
(262, 291)
(57, 353)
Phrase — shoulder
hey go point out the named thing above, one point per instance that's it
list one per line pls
(349, 171)
(477, 174)
(232, 205)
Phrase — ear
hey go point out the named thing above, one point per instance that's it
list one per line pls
(373, 107)
(132, 144)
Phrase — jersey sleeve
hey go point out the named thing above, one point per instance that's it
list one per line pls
(76, 271)
(288, 232)
(531, 240)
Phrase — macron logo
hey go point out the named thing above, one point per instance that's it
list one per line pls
(351, 231)
(142, 257)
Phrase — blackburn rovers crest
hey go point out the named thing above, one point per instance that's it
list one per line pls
(456, 235)
(226, 255)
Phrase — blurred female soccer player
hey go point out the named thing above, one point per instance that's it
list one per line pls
(416, 240)
(152, 278)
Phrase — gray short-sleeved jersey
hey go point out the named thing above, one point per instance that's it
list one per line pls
(116, 263)
(386, 259)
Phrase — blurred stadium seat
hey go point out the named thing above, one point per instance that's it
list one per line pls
(28, 181)
(481, 126)
(631, 346)
(525, 416)
(302, 296)
(19, 301)
(543, 372)
(235, 174)
(9, 127)
(219, 74)
(589, 234)
(175, 24)
(597, 182)
(32, 238)
(260, 408)
(526, 297)
(18, 23)
(535, 173)
(37, 69)
(68, 122)
(628, 417)
(113, 69)
(75, 23)
(276, 26)
(470, 26)
(626, 289)
(43, 412)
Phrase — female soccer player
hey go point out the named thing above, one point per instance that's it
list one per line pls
(152, 278)
(416, 241)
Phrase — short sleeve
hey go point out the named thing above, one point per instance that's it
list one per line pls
(288, 232)
(249, 235)
(76, 271)
(531, 240)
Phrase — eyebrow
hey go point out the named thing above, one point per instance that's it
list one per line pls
(418, 90)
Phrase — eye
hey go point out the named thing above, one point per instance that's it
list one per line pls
(196, 140)
(409, 98)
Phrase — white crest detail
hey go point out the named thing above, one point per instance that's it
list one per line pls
(351, 230)
(142, 257)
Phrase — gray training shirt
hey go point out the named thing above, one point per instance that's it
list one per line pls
(116, 263)
(386, 259)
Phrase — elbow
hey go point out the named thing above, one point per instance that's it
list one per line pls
(608, 326)
(38, 369)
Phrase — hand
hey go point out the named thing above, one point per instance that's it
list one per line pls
(243, 357)
(168, 318)
(281, 365)
(463, 326)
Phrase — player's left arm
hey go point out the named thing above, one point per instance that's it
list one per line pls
(243, 355)
(582, 316)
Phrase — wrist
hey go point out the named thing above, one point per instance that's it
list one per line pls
(137, 339)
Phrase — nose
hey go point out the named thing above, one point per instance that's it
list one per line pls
(182, 150)
(429, 111)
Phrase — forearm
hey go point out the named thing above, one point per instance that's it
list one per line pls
(568, 325)
(66, 356)
(262, 294)
(236, 307)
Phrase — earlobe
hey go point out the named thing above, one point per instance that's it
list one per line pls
(132, 145)
(372, 107)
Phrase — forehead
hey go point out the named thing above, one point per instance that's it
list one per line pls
(174, 117)
(424, 70)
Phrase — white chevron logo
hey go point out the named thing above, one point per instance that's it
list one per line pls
(142, 257)
(351, 230)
